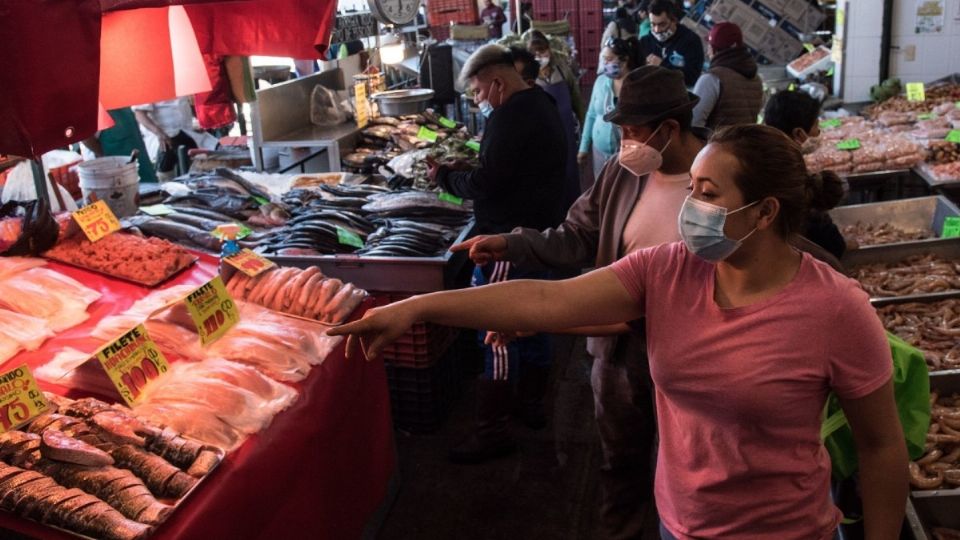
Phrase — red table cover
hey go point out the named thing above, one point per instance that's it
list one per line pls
(318, 471)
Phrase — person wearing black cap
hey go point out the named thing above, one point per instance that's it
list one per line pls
(730, 91)
(671, 44)
(633, 204)
(520, 182)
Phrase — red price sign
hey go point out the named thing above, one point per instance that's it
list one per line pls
(250, 263)
(96, 220)
(20, 398)
(132, 361)
(212, 310)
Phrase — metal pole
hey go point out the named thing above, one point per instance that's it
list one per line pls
(519, 14)
(39, 181)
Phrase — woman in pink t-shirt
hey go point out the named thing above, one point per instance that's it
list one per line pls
(746, 337)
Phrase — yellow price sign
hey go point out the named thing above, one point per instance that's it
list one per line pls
(20, 398)
(250, 263)
(96, 220)
(132, 361)
(916, 91)
(363, 106)
(212, 310)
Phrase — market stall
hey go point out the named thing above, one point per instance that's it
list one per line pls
(283, 477)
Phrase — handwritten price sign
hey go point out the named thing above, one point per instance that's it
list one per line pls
(20, 398)
(212, 310)
(250, 263)
(96, 220)
(131, 361)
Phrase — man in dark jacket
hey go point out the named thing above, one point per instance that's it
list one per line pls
(519, 183)
(670, 44)
(730, 92)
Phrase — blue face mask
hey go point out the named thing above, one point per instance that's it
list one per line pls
(612, 70)
(701, 229)
(486, 109)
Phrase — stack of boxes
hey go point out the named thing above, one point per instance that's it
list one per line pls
(442, 13)
(586, 27)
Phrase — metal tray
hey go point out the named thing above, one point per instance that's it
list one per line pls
(922, 172)
(936, 507)
(175, 504)
(918, 213)
(393, 274)
(896, 252)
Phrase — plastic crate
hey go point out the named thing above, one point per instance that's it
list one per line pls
(444, 12)
(420, 398)
(589, 38)
(544, 5)
(544, 14)
(422, 346)
(440, 33)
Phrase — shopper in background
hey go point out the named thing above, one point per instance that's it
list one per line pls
(493, 17)
(670, 44)
(622, 27)
(730, 91)
(167, 120)
(634, 204)
(642, 16)
(555, 69)
(797, 115)
(121, 140)
(747, 337)
(556, 77)
(519, 183)
(618, 58)
(526, 65)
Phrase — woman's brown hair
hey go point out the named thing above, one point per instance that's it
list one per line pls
(771, 165)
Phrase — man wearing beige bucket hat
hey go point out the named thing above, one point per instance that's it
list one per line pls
(634, 204)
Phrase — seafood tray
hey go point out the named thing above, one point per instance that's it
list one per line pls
(922, 213)
(894, 253)
(936, 508)
(924, 328)
(150, 284)
(398, 274)
(922, 171)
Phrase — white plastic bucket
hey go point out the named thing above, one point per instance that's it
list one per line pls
(113, 180)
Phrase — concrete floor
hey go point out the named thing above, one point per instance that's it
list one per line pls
(547, 490)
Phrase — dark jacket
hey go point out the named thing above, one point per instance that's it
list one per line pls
(520, 180)
(741, 90)
(683, 51)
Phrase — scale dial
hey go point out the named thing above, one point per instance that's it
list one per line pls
(394, 11)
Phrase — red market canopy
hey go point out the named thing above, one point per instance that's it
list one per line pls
(65, 57)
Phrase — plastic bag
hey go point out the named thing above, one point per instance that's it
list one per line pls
(911, 389)
(324, 110)
(20, 185)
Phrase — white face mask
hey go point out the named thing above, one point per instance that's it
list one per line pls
(663, 36)
(544, 61)
(641, 158)
(701, 228)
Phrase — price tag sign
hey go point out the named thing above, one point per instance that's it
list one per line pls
(349, 238)
(792, 87)
(212, 310)
(362, 105)
(453, 199)
(953, 136)
(916, 91)
(830, 72)
(242, 231)
(250, 263)
(849, 144)
(951, 227)
(20, 398)
(131, 361)
(447, 123)
(830, 124)
(96, 220)
(956, 104)
(809, 47)
(473, 145)
(157, 210)
(427, 134)
(925, 116)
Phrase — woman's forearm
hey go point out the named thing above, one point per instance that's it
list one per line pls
(884, 486)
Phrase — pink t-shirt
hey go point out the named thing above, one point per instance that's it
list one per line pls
(740, 392)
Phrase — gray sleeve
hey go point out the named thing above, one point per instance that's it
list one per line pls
(708, 90)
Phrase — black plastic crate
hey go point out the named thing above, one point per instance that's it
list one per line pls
(420, 398)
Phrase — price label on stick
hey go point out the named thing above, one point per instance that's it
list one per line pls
(951, 227)
(349, 238)
(250, 263)
(96, 220)
(916, 91)
(362, 105)
(20, 398)
(157, 210)
(473, 145)
(132, 361)
(427, 134)
(849, 144)
(447, 123)
(953, 136)
(212, 310)
(453, 199)
(830, 123)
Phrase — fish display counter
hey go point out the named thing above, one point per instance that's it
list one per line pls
(268, 432)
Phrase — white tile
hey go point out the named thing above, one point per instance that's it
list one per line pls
(858, 88)
(862, 57)
(865, 18)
